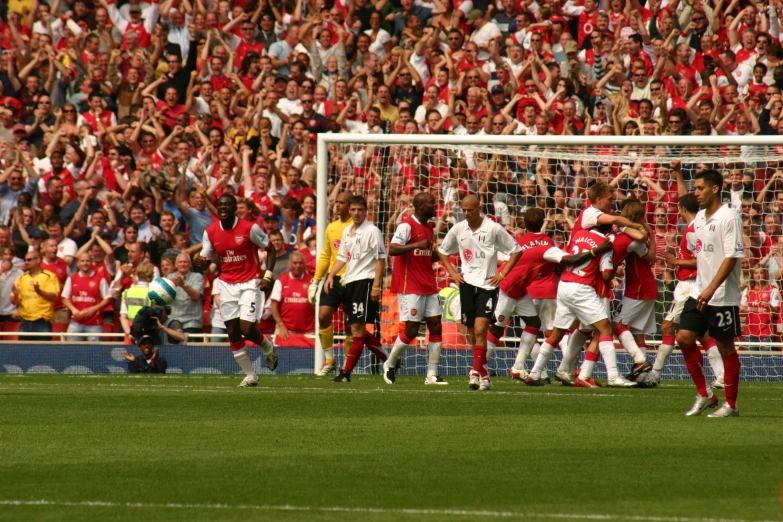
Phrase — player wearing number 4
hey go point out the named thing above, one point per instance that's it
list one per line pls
(715, 297)
(413, 280)
(236, 243)
(478, 240)
(364, 257)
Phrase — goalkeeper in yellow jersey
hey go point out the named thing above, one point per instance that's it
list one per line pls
(329, 303)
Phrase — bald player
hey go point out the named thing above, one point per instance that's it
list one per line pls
(478, 240)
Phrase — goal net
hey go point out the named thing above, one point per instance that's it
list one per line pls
(513, 173)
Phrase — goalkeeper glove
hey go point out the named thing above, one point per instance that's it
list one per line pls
(312, 291)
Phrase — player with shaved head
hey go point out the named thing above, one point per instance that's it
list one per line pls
(413, 280)
(478, 240)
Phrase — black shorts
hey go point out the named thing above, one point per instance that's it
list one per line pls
(476, 302)
(335, 297)
(358, 307)
(723, 322)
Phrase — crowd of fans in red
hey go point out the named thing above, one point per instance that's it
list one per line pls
(120, 124)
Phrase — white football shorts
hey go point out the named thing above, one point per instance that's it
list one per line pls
(243, 301)
(578, 302)
(508, 307)
(416, 308)
(638, 315)
(546, 312)
(681, 293)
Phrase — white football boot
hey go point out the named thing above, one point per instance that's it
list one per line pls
(724, 411)
(249, 381)
(701, 404)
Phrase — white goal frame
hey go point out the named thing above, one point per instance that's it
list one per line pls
(325, 139)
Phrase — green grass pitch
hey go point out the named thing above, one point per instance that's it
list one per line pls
(198, 448)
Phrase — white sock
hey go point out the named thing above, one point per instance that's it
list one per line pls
(716, 361)
(576, 342)
(664, 351)
(544, 353)
(434, 358)
(329, 353)
(610, 358)
(242, 357)
(587, 369)
(491, 347)
(396, 352)
(267, 346)
(526, 342)
(534, 354)
(628, 342)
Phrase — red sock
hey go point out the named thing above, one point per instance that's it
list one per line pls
(591, 356)
(235, 347)
(731, 377)
(480, 360)
(694, 363)
(374, 345)
(669, 340)
(709, 343)
(436, 338)
(353, 354)
(404, 338)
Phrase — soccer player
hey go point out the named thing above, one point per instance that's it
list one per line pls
(636, 316)
(577, 300)
(715, 297)
(478, 240)
(686, 276)
(602, 197)
(363, 255)
(236, 242)
(537, 263)
(329, 303)
(413, 280)
(539, 292)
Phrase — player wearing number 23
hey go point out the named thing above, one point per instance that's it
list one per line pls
(715, 297)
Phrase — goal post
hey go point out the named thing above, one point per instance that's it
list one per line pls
(390, 168)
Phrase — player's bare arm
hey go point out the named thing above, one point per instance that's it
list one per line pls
(271, 257)
(582, 257)
(375, 293)
(512, 260)
(455, 276)
(723, 273)
(396, 249)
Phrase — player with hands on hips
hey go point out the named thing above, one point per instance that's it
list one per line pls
(478, 240)
(235, 243)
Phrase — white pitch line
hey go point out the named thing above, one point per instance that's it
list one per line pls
(371, 510)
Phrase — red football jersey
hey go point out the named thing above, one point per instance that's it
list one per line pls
(545, 285)
(296, 311)
(86, 292)
(687, 252)
(622, 246)
(587, 219)
(588, 272)
(537, 263)
(760, 316)
(640, 282)
(236, 249)
(412, 273)
(60, 269)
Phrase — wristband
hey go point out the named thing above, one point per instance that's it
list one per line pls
(592, 252)
(501, 276)
(268, 275)
(376, 289)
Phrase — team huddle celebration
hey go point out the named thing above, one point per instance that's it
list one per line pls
(555, 291)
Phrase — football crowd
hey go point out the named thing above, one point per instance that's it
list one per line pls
(121, 125)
